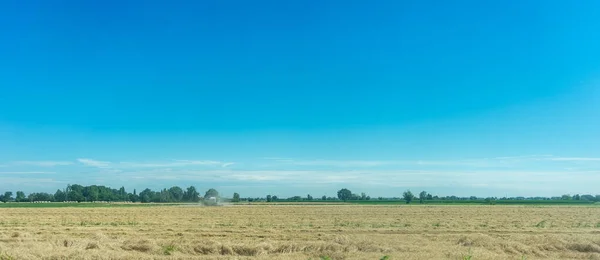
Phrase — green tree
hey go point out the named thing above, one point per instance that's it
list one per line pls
(236, 197)
(422, 197)
(6, 197)
(408, 196)
(92, 193)
(133, 197)
(75, 193)
(576, 197)
(588, 197)
(21, 196)
(429, 197)
(59, 196)
(176, 193)
(274, 198)
(191, 194)
(308, 197)
(40, 196)
(324, 197)
(211, 193)
(165, 196)
(490, 200)
(344, 194)
(363, 196)
(123, 194)
(146, 195)
(269, 198)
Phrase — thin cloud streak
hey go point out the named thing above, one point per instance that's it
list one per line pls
(94, 163)
(174, 163)
(576, 159)
(30, 172)
(478, 162)
(167, 164)
(533, 182)
(44, 163)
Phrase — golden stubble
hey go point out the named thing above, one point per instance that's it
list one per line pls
(301, 232)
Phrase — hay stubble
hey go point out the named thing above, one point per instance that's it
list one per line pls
(301, 232)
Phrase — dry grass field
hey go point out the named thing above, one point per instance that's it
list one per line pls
(301, 232)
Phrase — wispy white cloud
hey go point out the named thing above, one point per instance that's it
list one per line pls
(22, 182)
(227, 164)
(44, 163)
(153, 164)
(383, 163)
(531, 173)
(496, 162)
(94, 163)
(277, 158)
(173, 163)
(575, 159)
(340, 163)
(525, 157)
(532, 181)
(27, 172)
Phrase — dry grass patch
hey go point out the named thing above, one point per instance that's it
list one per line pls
(143, 245)
(301, 232)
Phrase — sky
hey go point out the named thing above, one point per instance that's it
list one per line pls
(484, 98)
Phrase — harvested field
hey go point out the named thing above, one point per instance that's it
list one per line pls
(301, 232)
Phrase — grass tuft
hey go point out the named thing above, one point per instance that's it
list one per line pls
(5, 256)
(468, 256)
(92, 245)
(168, 249)
(541, 224)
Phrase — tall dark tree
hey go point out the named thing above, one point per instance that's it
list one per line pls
(20, 197)
(344, 194)
(191, 194)
(122, 194)
(422, 197)
(236, 197)
(408, 196)
(59, 196)
(308, 197)
(324, 197)
(165, 196)
(269, 198)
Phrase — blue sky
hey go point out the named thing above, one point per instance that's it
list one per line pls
(295, 97)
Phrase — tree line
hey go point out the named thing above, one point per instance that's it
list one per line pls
(424, 197)
(93, 193)
(175, 194)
